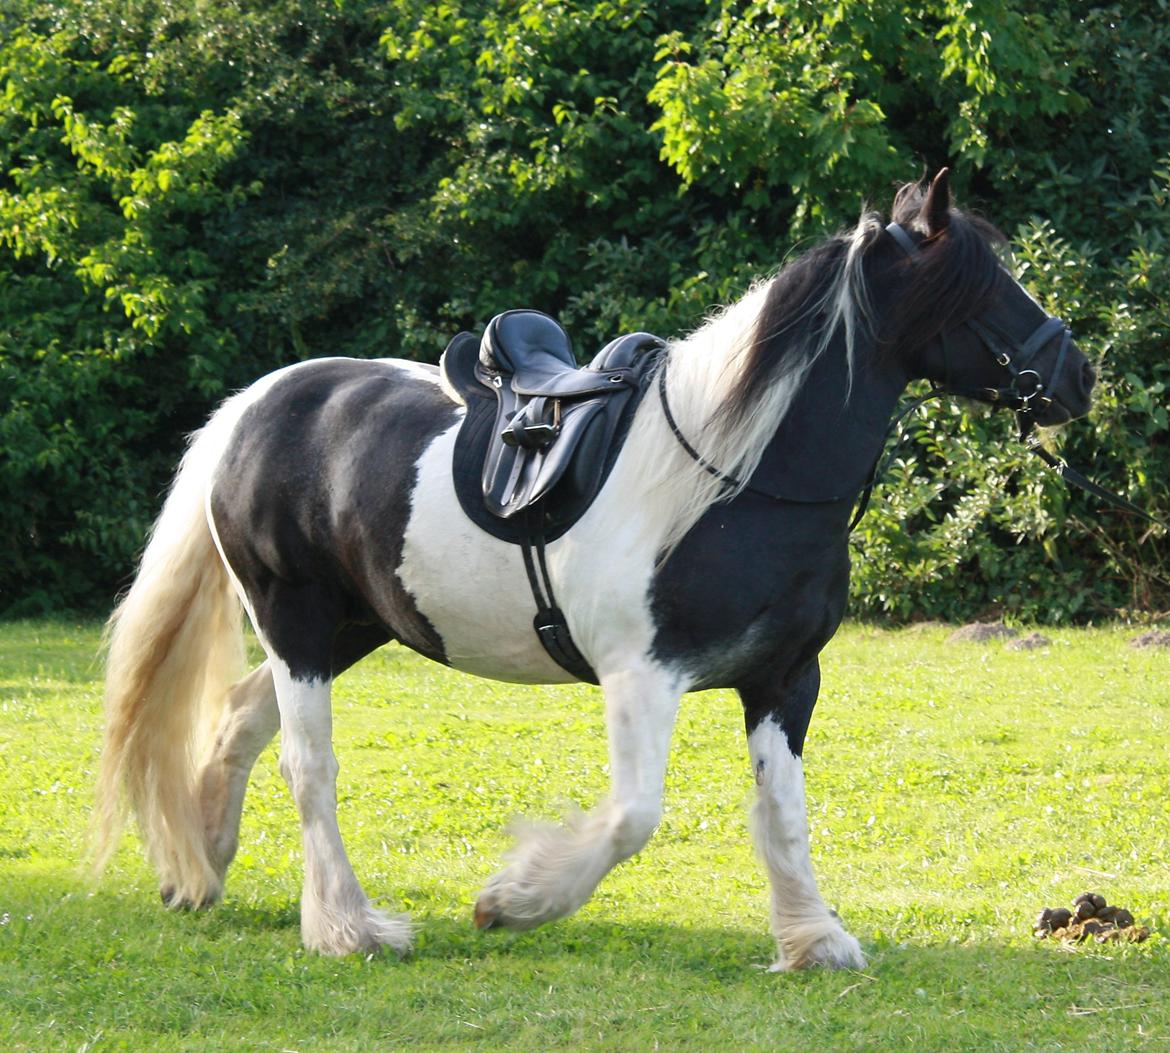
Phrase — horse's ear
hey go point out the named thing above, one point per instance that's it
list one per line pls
(936, 209)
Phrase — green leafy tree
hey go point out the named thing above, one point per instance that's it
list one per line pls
(193, 193)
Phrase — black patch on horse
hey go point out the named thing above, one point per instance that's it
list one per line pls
(311, 502)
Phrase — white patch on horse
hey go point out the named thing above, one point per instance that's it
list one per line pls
(807, 932)
(463, 580)
(470, 586)
(336, 916)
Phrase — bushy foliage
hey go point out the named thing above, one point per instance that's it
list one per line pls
(194, 193)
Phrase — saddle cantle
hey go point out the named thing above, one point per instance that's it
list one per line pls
(540, 435)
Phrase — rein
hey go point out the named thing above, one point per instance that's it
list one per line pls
(1070, 475)
(1026, 386)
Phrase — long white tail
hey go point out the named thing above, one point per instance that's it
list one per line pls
(175, 647)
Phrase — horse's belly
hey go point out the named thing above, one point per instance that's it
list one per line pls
(471, 587)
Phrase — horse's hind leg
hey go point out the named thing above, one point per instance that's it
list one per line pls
(807, 932)
(249, 721)
(553, 869)
(336, 916)
(250, 718)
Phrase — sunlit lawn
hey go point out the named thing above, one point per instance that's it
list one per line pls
(954, 790)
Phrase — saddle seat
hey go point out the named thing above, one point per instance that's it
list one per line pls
(534, 351)
(540, 434)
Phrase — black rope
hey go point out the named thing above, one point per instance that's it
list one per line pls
(1070, 475)
(697, 457)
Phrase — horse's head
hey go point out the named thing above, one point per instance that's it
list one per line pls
(987, 338)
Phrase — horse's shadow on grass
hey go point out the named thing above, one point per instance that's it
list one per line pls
(592, 943)
(241, 965)
(444, 936)
(707, 952)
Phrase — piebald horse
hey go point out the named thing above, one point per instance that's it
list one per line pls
(320, 500)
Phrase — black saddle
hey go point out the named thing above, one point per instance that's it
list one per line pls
(540, 435)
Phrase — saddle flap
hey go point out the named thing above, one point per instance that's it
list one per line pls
(521, 476)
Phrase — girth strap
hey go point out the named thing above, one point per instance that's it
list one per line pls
(550, 624)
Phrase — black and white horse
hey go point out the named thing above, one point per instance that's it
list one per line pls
(321, 499)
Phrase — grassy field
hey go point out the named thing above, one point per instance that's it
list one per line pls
(954, 790)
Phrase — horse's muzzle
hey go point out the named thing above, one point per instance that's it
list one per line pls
(1073, 396)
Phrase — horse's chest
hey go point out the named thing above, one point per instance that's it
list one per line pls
(747, 592)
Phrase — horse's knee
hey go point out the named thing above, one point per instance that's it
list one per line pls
(634, 823)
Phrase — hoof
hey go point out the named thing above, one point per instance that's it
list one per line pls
(172, 901)
(366, 930)
(831, 949)
(485, 916)
(499, 908)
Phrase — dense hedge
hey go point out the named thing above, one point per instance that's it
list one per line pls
(192, 193)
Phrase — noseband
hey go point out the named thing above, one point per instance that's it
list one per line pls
(1026, 385)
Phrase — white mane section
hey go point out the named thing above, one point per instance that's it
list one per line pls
(703, 372)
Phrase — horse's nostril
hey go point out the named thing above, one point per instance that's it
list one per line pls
(1088, 378)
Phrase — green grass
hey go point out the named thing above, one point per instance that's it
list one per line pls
(953, 791)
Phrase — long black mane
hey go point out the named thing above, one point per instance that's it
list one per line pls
(824, 296)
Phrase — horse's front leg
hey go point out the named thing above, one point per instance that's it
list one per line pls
(807, 932)
(552, 870)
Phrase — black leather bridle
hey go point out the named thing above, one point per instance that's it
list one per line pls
(1026, 385)
(1025, 388)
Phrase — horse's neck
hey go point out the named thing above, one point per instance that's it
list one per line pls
(831, 436)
